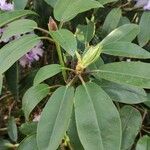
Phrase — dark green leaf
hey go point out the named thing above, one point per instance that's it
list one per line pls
(66, 10)
(66, 39)
(125, 33)
(28, 128)
(13, 85)
(109, 25)
(5, 144)
(144, 35)
(125, 49)
(29, 143)
(98, 128)
(123, 93)
(32, 97)
(8, 17)
(106, 1)
(123, 21)
(51, 2)
(73, 135)
(46, 72)
(20, 4)
(85, 33)
(12, 129)
(147, 103)
(14, 50)
(131, 124)
(23, 26)
(132, 73)
(55, 118)
(97, 64)
(143, 143)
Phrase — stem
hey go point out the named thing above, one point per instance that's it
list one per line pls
(58, 49)
(61, 24)
(47, 38)
(61, 60)
(69, 69)
(3, 129)
(72, 81)
(55, 86)
(81, 79)
(43, 30)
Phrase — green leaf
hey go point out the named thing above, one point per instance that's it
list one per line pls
(98, 128)
(51, 2)
(97, 64)
(46, 72)
(1, 83)
(85, 33)
(12, 129)
(131, 123)
(147, 103)
(20, 4)
(143, 143)
(32, 97)
(5, 144)
(109, 25)
(66, 10)
(29, 143)
(55, 118)
(106, 1)
(14, 50)
(125, 33)
(73, 135)
(8, 17)
(132, 73)
(28, 128)
(123, 21)
(13, 85)
(144, 35)
(23, 26)
(123, 93)
(66, 39)
(125, 49)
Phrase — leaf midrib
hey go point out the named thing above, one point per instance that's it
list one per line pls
(95, 114)
(60, 108)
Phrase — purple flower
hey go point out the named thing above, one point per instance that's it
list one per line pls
(6, 6)
(147, 6)
(33, 55)
(143, 3)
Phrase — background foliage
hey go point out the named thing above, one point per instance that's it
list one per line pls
(88, 88)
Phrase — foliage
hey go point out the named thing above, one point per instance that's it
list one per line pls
(79, 80)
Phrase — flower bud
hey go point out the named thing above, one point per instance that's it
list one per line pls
(88, 58)
(91, 55)
(52, 26)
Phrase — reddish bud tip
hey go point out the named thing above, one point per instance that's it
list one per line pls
(52, 24)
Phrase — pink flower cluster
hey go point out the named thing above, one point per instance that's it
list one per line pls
(143, 3)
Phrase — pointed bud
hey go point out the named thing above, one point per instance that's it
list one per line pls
(91, 55)
(88, 58)
(52, 26)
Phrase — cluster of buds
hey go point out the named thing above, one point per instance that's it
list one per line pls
(88, 58)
